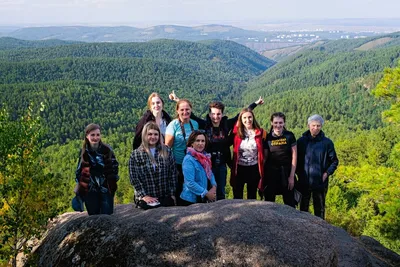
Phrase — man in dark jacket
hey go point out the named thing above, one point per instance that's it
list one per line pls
(316, 161)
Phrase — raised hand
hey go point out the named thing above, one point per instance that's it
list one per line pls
(173, 96)
(260, 101)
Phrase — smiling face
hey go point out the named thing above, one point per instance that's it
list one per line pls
(94, 137)
(184, 111)
(156, 104)
(247, 120)
(152, 137)
(277, 125)
(200, 143)
(215, 116)
(315, 128)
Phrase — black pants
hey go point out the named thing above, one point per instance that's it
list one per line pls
(246, 175)
(277, 184)
(179, 185)
(318, 197)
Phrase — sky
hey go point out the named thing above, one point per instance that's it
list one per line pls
(131, 12)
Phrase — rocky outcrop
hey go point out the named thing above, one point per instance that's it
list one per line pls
(224, 233)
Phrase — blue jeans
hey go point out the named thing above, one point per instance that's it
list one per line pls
(220, 173)
(99, 203)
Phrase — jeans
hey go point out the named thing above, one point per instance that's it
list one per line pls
(220, 173)
(99, 203)
(318, 201)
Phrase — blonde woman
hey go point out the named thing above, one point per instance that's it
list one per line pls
(152, 170)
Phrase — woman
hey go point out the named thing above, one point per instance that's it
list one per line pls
(217, 128)
(176, 137)
(248, 155)
(199, 185)
(154, 113)
(97, 173)
(281, 159)
(152, 170)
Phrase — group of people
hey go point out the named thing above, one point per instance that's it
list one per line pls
(184, 161)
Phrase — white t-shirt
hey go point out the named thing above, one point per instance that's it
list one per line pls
(248, 153)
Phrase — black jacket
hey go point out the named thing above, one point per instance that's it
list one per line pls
(219, 145)
(148, 116)
(97, 170)
(314, 157)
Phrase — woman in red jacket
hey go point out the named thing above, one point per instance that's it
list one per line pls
(248, 155)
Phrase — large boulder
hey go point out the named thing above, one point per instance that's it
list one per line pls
(224, 233)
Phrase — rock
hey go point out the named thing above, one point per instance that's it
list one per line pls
(224, 233)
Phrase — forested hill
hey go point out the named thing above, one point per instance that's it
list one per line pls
(334, 78)
(9, 43)
(109, 83)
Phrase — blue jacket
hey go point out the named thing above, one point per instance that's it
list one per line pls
(314, 157)
(195, 183)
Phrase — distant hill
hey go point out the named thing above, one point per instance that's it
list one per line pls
(109, 82)
(281, 53)
(333, 78)
(8, 43)
(132, 34)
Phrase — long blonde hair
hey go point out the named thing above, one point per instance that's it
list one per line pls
(162, 149)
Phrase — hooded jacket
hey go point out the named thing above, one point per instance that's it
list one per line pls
(315, 156)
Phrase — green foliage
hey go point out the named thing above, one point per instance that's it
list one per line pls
(26, 203)
(389, 89)
(109, 83)
(365, 201)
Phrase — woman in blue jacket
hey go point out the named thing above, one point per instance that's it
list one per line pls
(199, 184)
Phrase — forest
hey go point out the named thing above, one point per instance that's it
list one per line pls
(49, 91)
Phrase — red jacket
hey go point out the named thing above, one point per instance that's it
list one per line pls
(260, 135)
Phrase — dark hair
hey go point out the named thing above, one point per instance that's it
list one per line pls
(240, 126)
(277, 115)
(217, 105)
(193, 136)
(90, 127)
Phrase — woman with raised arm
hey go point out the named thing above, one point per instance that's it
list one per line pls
(97, 173)
(281, 159)
(176, 137)
(152, 170)
(154, 113)
(217, 128)
(199, 183)
(248, 155)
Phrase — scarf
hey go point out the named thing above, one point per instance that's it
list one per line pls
(203, 158)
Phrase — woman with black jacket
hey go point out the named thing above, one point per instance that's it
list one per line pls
(97, 173)
(154, 113)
